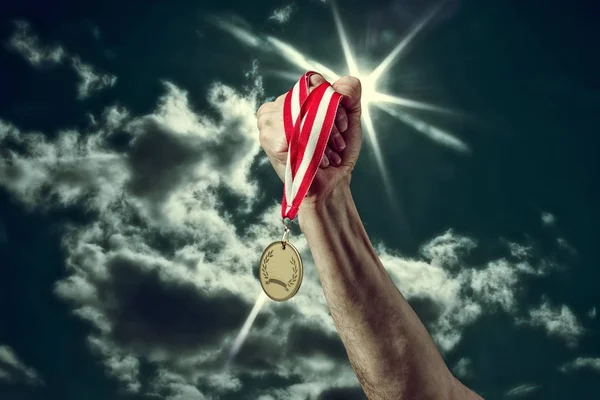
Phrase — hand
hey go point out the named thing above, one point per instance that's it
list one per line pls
(342, 149)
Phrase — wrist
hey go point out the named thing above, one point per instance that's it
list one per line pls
(336, 198)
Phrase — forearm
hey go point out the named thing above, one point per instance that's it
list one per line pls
(389, 348)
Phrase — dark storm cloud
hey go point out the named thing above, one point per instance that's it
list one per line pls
(347, 393)
(428, 310)
(307, 341)
(160, 160)
(151, 310)
(259, 353)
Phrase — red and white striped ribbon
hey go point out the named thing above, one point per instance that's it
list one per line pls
(308, 120)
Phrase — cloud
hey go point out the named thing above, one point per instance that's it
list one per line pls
(14, 371)
(449, 294)
(165, 271)
(282, 15)
(463, 368)
(346, 393)
(589, 363)
(548, 219)
(592, 313)
(448, 249)
(26, 43)
(123, 367)
(89, 79)
(69, 169)
(521, 390)
(557, 321)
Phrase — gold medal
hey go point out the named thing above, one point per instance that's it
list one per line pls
(281, 270)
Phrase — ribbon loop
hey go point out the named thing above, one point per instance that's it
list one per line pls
(308, 119)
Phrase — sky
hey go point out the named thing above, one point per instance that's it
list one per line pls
(135, 200)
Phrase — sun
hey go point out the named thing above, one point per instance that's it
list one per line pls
(369, 89)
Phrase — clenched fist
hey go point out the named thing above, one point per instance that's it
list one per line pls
(344, 144)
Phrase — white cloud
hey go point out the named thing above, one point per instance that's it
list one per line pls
(448, 249)
(463, 368)
(26, 43)
(563, 244)
(589, 363)
(459, 293)
(71, 168)
(519, 250)
(522, 390)
(123, 367)
(13, 370)
(557, 321)
(497, 284)
(90, 80)
(548, 219)
(282, 15)
(592, 313)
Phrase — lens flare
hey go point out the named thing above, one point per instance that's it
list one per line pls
(391, 104)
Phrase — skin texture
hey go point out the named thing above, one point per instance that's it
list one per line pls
(389, 348)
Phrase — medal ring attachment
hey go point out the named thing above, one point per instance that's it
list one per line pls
(285, 237)
(287, 223)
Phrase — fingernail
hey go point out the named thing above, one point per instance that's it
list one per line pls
(339, 142)
(335, 158)
(343, 125)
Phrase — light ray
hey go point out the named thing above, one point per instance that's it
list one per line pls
(241, 34)
(290, 76)
(401, 101)
(371, 134)
(435, 134)
(369, 92)
(241, 337)
(352, 66)
(300, 60)
(393, 56)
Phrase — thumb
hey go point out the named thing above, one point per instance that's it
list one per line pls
(350, 88)
(315, 80)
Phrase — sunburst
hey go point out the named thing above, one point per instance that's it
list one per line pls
(392, 104)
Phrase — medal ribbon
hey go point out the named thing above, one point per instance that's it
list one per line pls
(308, 120)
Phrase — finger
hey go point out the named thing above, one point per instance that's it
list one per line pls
(324, 162)
(315, 80)
(280, 98)
(341, 119)
(350, 87)
(334, 157)
(336, 141)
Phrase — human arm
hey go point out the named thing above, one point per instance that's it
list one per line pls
(390, 350)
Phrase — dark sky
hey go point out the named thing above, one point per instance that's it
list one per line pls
(135, 200)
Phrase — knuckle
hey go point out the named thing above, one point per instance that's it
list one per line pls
(262, 109)
(353, 81)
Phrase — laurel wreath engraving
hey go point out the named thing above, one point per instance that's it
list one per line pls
(265, 272)
(264, 265)
(295, 272)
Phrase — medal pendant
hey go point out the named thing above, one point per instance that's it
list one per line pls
(281, 270)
